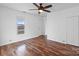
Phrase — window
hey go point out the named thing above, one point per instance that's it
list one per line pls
(20, 26)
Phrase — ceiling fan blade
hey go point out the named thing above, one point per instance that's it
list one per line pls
(46, 10)
(36, 5)
(47, 6)
(40, 4)
(33, 9)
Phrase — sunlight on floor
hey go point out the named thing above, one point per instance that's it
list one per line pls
(21, 50)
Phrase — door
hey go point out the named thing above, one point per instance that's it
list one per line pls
(72, 30)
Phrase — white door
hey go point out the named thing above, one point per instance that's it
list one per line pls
(69, 30)
(72, 30)
(76, 39)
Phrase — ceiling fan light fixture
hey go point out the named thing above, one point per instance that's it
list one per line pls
(42, 8)
(40, 11)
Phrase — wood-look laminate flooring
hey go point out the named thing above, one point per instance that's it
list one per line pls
(38, 46)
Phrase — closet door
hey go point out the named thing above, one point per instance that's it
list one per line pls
(69, 30)
(76, 39)
(72, 30)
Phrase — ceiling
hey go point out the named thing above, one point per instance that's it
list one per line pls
(26, 6)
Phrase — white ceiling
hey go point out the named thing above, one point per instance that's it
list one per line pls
(63, 6)
(26, 6)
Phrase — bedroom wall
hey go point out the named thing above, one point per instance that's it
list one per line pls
(62, 26)
(8, 27)
(0, 29)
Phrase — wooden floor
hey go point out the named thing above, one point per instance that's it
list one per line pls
(38, 46)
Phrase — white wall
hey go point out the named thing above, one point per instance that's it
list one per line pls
(44, 24)
(8, 27)
(0, 30)
(62, 26)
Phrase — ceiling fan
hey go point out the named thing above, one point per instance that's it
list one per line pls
(41, 8)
